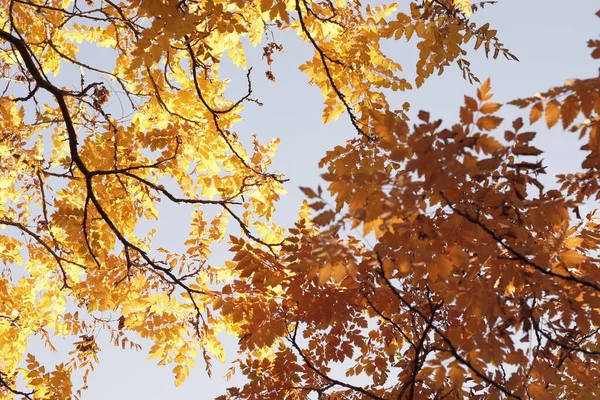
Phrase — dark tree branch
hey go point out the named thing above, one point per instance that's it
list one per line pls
(324, 59)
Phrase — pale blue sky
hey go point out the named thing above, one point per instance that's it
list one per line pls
(548, 36)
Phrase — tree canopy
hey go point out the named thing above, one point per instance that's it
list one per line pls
(433, 264)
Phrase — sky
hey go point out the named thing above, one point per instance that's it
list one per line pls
(548, 36)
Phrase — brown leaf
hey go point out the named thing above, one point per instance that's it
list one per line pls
(471, 103)
(489, 164)
(466, 116)
(309, 192)
(517, 124)
(324, 218)
(526, 151)
(526, 137)
(423, 145)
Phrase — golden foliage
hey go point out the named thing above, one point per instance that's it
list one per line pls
(472, 256)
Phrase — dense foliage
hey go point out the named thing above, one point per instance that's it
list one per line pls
(434, 265)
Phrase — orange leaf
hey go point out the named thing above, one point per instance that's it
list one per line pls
(325, 274)
(573, 242)
(457, 375)
(490, 108)
(483, 93)
(536, 112)
(552, 113)
(489, 145)
(572, 258)
(569, 110)
(538, 392)
(388, 267)
(444, 266)
(339, 272)
(489, 122)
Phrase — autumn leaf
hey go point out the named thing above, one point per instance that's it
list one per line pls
(443, 255)
(489, 122)
(573, 242)
(325, 273)
(525, 137)
(569, 110)
(309, 192)
(490, 108)
(552, 113)
(388, 268)
(466, 116)
(489, 145)
(526, 151)
(324, 218)
(536, 112)
(572, 258)
(424, 116)
(471, 103)
(489, 164)
(539, 392)
(484, 91)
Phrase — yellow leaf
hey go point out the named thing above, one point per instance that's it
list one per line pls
(464, 6)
